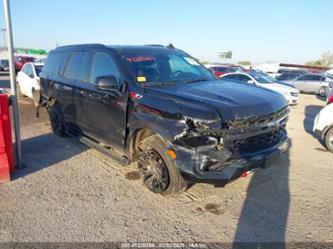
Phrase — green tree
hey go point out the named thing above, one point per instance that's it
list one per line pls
(326, 60)
(244, 63)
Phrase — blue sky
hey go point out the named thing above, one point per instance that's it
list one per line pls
(256, 30)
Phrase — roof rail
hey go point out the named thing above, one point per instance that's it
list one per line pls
(155, 45)
(80, 46)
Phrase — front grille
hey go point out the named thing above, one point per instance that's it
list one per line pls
(257, 121)
(294, 94)
(260, 142)
(257, 134)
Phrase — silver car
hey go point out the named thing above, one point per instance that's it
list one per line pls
(312, 83)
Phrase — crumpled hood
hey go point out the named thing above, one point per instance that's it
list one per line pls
(222, 99)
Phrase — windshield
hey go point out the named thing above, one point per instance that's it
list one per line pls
(262, 79)
(162, 67)
(38, 69)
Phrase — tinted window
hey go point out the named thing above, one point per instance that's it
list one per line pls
(103, 65)
(310, 77)
(230, 77)
(54, 64)
(27, 69)
(243, 78)
(38, 69)
(73, 66)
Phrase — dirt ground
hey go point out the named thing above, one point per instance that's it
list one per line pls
(69, 192)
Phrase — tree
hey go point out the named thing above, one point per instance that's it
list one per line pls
(326, 60)
(244, 63)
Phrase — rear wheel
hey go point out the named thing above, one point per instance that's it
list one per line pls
(322, 92)
(157, 168)
(329, 139)
(36, 97)
(57, 121)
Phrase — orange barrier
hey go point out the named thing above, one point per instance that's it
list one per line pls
(6, 142)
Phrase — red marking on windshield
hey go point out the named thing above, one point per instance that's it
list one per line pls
(140, 59)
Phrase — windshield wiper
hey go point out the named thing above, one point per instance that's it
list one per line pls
(157, 84)
(194, 81)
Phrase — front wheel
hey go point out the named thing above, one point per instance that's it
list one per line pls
(329, 139)
(157, 168)
(322, 92)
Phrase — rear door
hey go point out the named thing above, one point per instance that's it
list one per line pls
(64, 84)
(103, 113)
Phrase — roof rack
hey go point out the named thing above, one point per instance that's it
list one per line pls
(81, 46)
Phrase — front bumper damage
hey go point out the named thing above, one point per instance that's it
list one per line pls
(223, 155)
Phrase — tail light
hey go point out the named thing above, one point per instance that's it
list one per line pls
(330, 99)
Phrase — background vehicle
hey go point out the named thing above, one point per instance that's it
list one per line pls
(312, 83)
(323, 126)
(290, 93)
(159, 106)
(330, 93)
(21, 60)
(288, 76)
(4, 65)
(28, 83)
(220, 70)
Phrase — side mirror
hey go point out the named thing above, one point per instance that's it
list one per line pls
(107, 83)
(250, 82)
(31, 75)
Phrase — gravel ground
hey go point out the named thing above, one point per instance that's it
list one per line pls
(69, 192)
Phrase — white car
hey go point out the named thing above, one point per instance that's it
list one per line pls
(290, 93)
(28, 81)
(323, 126)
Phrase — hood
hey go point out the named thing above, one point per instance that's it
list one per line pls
(223, 99)
(279, 88)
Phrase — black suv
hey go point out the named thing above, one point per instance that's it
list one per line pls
(159, 106)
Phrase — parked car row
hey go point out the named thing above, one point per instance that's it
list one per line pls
(159, 106)
(290, 93)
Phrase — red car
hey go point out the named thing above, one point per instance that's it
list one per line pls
(21, 60)
(221, 70)
(330, 98)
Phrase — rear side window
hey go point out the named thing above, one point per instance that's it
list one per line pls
(103, 65)
(73, 66)
(310, 77)
(53, 65)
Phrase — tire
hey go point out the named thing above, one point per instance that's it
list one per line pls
(322, 92)
(57, 121)
(157, 169)
(36, 97)
(328, 140)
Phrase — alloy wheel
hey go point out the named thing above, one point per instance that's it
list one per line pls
(153, 171)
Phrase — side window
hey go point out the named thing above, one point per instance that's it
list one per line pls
(243, 78)
(103, 65)
(73, 66)
(230, 77)
(28, 69)
(305, 77)
(24, 69)
(316, 78)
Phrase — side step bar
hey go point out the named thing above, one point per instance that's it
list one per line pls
(121, 159)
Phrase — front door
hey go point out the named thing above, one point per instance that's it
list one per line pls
(103, 113)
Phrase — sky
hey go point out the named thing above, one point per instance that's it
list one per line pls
(293, 31)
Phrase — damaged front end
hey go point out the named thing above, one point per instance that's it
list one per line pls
(217, 152)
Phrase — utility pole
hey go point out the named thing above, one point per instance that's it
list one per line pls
(13, 84)
(4, 37)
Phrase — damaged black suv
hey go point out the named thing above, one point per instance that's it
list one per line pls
(159, 106)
